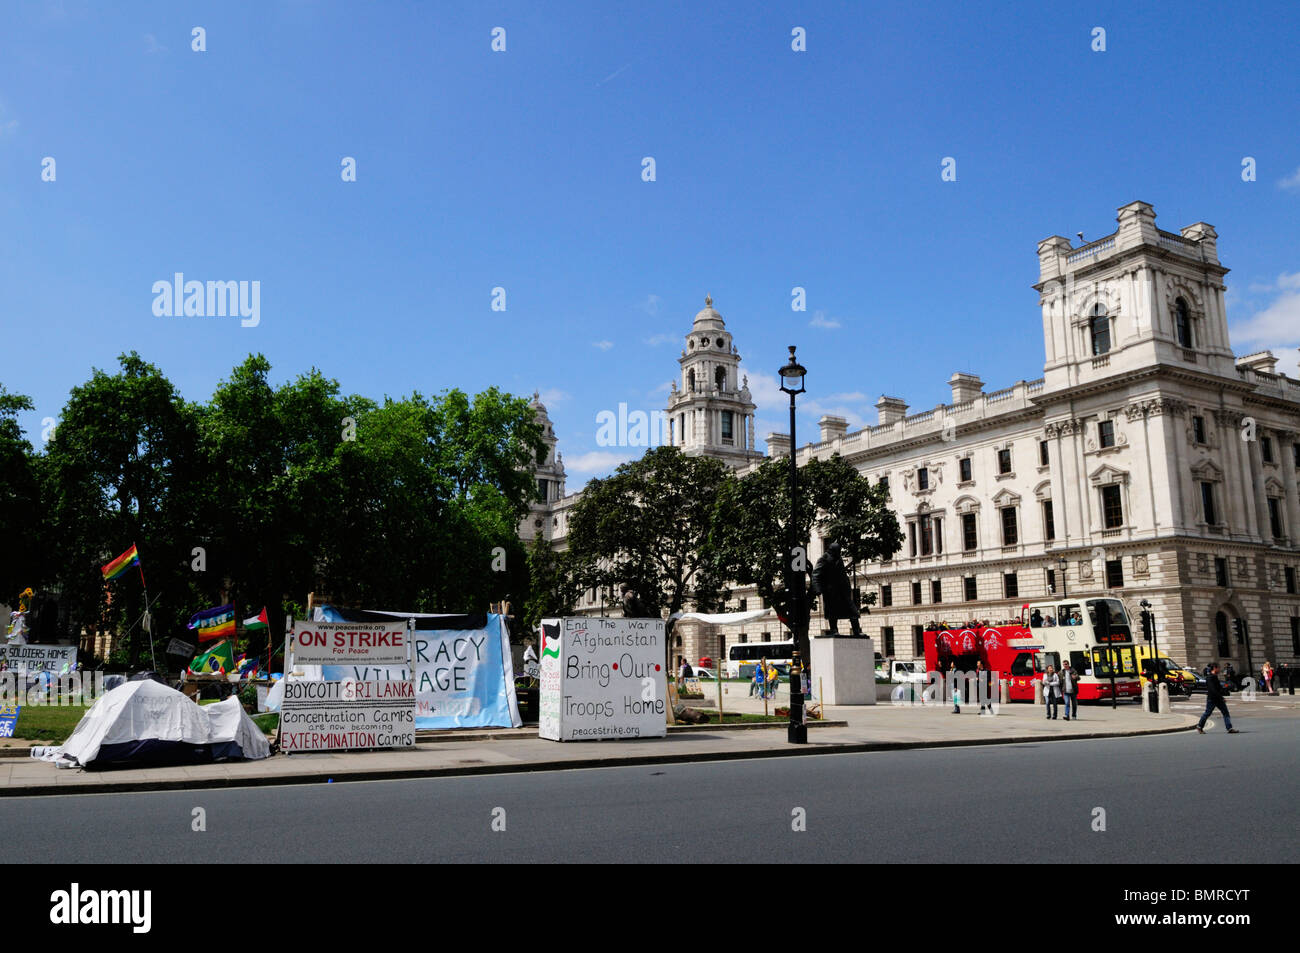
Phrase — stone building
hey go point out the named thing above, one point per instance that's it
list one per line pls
(1146, 463)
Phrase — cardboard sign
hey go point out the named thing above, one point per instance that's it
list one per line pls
(38, 658)
(333, 716)
(350, 643)
(692, 687)
(603, 678)
(180, 647)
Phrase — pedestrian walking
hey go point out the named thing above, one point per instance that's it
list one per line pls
(760, 678)
(686, 672)
(983, 687)
(1070, 689)
(1213, 700)
(1267, 673)
(1052, 692)
(773, 680)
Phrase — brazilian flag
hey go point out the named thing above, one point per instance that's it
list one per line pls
(218, 660)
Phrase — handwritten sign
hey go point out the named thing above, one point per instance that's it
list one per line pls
(332, 716)
(38, 658)
(603, 678)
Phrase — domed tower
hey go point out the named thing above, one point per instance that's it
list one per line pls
(549, 472)
(710, 412)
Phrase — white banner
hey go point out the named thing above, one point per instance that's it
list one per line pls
(329, 716)
(350, 643)
(37, 658)
(603, 678)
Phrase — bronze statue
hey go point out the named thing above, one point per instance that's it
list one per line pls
(831, 583)
(633, 607)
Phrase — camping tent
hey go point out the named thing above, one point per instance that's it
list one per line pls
(145, 724)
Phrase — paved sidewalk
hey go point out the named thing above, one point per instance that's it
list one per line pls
(872, 728)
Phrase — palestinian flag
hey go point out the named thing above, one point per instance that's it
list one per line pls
(257, 622)
(210, 624)
(121, 564)
(218, 660)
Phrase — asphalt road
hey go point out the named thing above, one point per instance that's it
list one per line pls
(1161, 796)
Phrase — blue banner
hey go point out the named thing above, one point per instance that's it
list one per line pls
(8, 719)
(464, 678)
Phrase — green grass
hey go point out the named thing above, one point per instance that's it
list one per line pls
(743, 718)
(50, 723)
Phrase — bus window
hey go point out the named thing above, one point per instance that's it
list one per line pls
(1100, 667)
(1036, 619)
(1111, 611)
(1051, 658)
(1023, 664)
(1078, 662)
(1125, 662)
(1069, 614)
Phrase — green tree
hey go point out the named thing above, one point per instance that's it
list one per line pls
(648, 526)
(21, 555)
(836, 501)
(122, 467)
(553, 589)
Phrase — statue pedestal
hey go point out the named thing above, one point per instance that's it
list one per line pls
(845, 669)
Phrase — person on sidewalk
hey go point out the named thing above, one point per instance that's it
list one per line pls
(1267, 674)
(686, 672)
(983, 687)
(1070, 689)
(1052, 692)
(760, 678)
(1213, 700)
(773, 679)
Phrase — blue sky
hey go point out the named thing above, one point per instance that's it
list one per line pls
(523, 170)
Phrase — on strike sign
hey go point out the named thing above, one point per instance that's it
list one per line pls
(340, 643)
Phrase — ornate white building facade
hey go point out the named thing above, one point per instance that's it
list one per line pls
(1146, 463)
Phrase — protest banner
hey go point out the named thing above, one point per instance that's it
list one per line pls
(332, 716)
(350, 643)
(38, 658)
(463, 673)
(603, 678)
(8, 719)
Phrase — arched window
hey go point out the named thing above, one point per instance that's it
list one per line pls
(1183, 323)
(690, 379)
(1221, 631)
(1100, 327)
(720, 378)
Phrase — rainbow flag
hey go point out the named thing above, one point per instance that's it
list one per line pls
(121, 564)
(213, 624)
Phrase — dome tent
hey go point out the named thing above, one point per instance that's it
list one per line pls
(144, 724)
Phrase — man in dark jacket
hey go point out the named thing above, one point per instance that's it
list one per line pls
(831, 582)
(1213, 700)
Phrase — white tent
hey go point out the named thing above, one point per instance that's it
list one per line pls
(145, 724)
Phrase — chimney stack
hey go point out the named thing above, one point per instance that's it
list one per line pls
(891, 409)
(833, 427)
(965, 387)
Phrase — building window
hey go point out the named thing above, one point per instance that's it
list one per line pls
(1043, 458)
(1266, 449)
(1295, 635)
(1051, 582)
(938, 534)
(971, 589)
(969, 539)
(1112, 507)
(544, 490)
(690, 379)
(1049, 521)
(1100, 328)
(918, 640)
(1105, 433)
(1004, 461)
(1221, 634)
(1289, 574)
(887, 637)
(743, 604)
(964, 469)
(886, 596)
(936, 590)
(1115, 574)
(1198, 429)
(916, 593)
(1295, 453)
(720, 378)
(728, 436)
(911, 539)
(931, 540)
(1275, 516)
(1207, 504)
(884, 482)
(1010, 536)
(1183, 323)
(923, 479)
(1010, 588)
(1221, 572)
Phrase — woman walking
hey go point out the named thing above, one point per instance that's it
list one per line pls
(1267, 672)
(1052, 692)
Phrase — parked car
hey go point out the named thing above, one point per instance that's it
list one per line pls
(706, 674)
(901, 671)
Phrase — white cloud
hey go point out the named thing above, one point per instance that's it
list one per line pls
(819, 320)
(599, 462)
(1291, 182)
(657, 339)
(553, 396)
(1277, 325)
(603, 345)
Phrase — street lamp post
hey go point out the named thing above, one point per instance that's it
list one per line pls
(1065, 594)
(792, 376)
